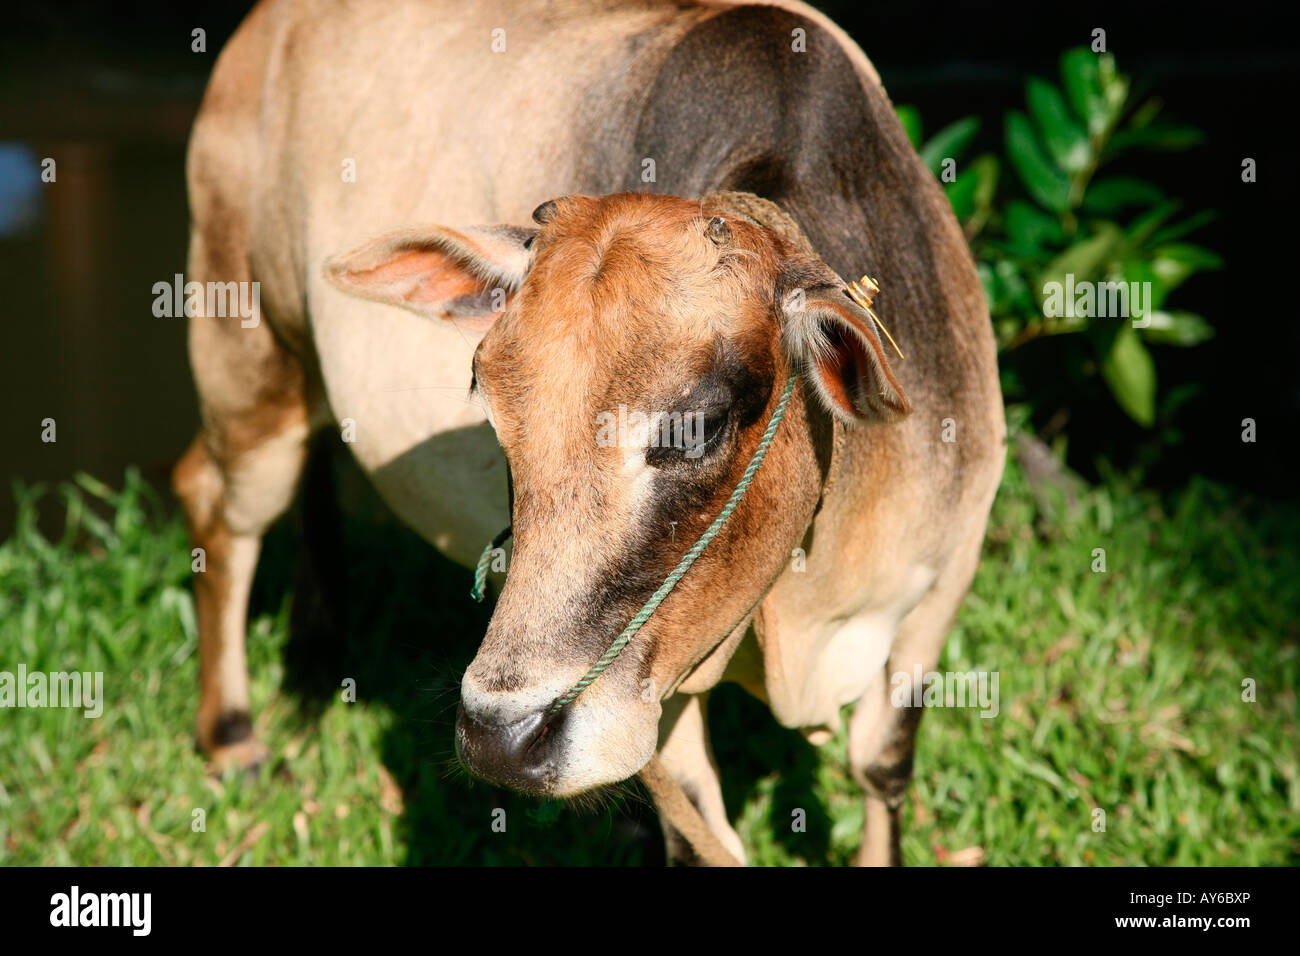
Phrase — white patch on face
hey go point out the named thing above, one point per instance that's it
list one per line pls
(642, 479)
(604, 743)
(634, 463)
(636, 429)
(638, 474)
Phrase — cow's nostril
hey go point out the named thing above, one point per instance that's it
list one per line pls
(515, 755)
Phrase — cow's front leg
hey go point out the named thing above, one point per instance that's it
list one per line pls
(882, 737)
(686, 754)
(881, 744)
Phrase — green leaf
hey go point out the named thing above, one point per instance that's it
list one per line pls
(910, 117)
(1145, 114)
(1175, 263)
(1048, 186)
(1177, 397)
(1141, 228)
(1178, 230)
(1167, 137)
(546, 814)
(1015, 290)
(1065, 139)
(1109, 196)
(1030, 229)
(990, 283)
(986, 169)
(1131, 375)
(1114, 85)
(1140, 271)
(1086, 260)
(949, 142)
(1193, 255)
(1005, 331)
(1177, 328)
(961, 193)
(1083, 87)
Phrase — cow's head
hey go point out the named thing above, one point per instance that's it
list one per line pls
(636, 347)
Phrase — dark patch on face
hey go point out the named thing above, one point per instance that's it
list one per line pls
(740, 380)
(730, 392)
(519, 755)
(723, 397)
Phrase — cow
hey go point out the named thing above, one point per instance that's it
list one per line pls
(574, 208)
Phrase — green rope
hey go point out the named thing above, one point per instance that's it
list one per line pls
(480, 572)
(650, 606)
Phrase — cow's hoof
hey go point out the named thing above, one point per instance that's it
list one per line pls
(247, 755)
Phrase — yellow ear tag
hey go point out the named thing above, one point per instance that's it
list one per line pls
(864, 295)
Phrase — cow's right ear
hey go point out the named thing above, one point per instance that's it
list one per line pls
(464, 275)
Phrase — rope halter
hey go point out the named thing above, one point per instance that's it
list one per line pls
(684, 565)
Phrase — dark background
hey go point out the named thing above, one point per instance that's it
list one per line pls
(110, 91)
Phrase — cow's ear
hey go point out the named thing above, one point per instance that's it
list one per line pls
(836, 342)
(463, 275)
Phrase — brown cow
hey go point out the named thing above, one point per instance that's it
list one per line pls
(859, 537)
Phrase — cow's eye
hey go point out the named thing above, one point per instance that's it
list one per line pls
(690, 436)
(708, 427)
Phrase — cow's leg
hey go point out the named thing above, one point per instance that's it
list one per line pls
(228, 507)
(228, 526)
(881, 742)
(237, 477)
(882, 738)
(688, 757)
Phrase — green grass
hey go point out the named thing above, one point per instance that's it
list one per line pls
(1120, 690)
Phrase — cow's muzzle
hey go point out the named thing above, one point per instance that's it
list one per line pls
(520, 755)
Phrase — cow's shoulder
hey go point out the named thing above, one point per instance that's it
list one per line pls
(777, 101)
(760, 94)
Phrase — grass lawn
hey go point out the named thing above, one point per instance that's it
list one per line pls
(1119, 690)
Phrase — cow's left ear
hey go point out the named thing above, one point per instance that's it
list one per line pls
(466, 276)
(836, 342)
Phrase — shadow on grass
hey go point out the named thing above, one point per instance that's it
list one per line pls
(750, 746)
(373, 602)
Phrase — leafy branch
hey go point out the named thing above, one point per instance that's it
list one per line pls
(1060, 219)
